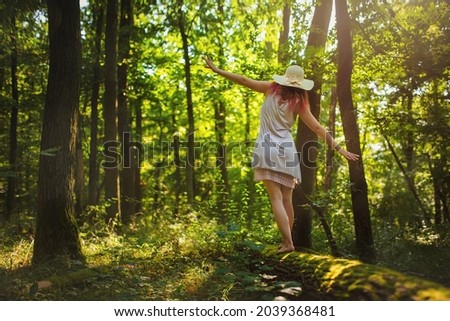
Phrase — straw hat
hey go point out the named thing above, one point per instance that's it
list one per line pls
(294, 77)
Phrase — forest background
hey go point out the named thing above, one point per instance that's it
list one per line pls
(159, 164)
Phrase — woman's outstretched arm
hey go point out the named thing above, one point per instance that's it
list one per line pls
(256, 85)
(316, 127)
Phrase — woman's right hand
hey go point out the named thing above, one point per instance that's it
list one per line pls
(210, 64)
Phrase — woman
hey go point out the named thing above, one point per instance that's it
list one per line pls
(275, 160)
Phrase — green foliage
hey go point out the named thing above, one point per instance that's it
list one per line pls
(191, 259)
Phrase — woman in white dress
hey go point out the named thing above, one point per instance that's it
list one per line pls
(275, 160)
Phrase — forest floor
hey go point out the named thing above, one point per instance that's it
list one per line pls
(181, 263)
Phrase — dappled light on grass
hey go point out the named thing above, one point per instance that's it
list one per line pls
(198, 259)
(189, 259)
(17, 256)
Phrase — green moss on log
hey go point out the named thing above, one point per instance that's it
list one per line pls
(328, 278)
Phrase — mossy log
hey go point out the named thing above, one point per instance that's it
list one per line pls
(328, 278)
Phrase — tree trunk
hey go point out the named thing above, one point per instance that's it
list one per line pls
(190, 166)
(306, 140)
(409, 181)
(96, 80)
(326, 227)
(409, 145)
(251, 188)
(283, 41)
(220, 128)
(438, 203)
(112, 187)
(138, 158)
(221, 158)
(361, 214)
(56, 229)
(330, 168)
(177, 162)
(12, 177)
(158, 165)
(127, 178)
(325, 278)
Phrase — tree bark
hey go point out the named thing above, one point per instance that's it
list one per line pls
(190, 166)
(12, 177)
(360, 203)
(409, 144)
(96, 80)
(220, 128)
(56, 229)
(127, 178)
(330, 168)
(138, 158)
(283, 41)
(306, 140)
(112, 186)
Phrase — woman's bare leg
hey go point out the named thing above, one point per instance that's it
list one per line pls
(281, 216)
(287, 202)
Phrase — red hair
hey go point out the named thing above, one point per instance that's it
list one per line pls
(296, 98)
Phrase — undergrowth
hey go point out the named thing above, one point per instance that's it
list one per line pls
(190, 259)
(193, 258)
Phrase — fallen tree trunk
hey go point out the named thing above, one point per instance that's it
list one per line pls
(327, 278)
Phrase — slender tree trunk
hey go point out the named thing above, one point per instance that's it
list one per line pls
(437, 194)
(409, 181)
(409, 146)
(306, 140)
(127, 177)
(157, 173)
(250, 178)
(361, 214)
(112, 186)
(190, 169)
(177, 162)
(56, 229)
(326, 228)
(138, 158)
(96, 80)
(12, 178)
(220, 126)
(283, 41)
(330, 168)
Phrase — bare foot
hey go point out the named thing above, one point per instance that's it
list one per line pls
(285, 249)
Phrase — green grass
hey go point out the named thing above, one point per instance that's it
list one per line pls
(189, 259)
(182, 261)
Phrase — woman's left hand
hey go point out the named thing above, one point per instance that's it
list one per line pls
(348, 155)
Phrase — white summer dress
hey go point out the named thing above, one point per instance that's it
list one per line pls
(275, 156)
